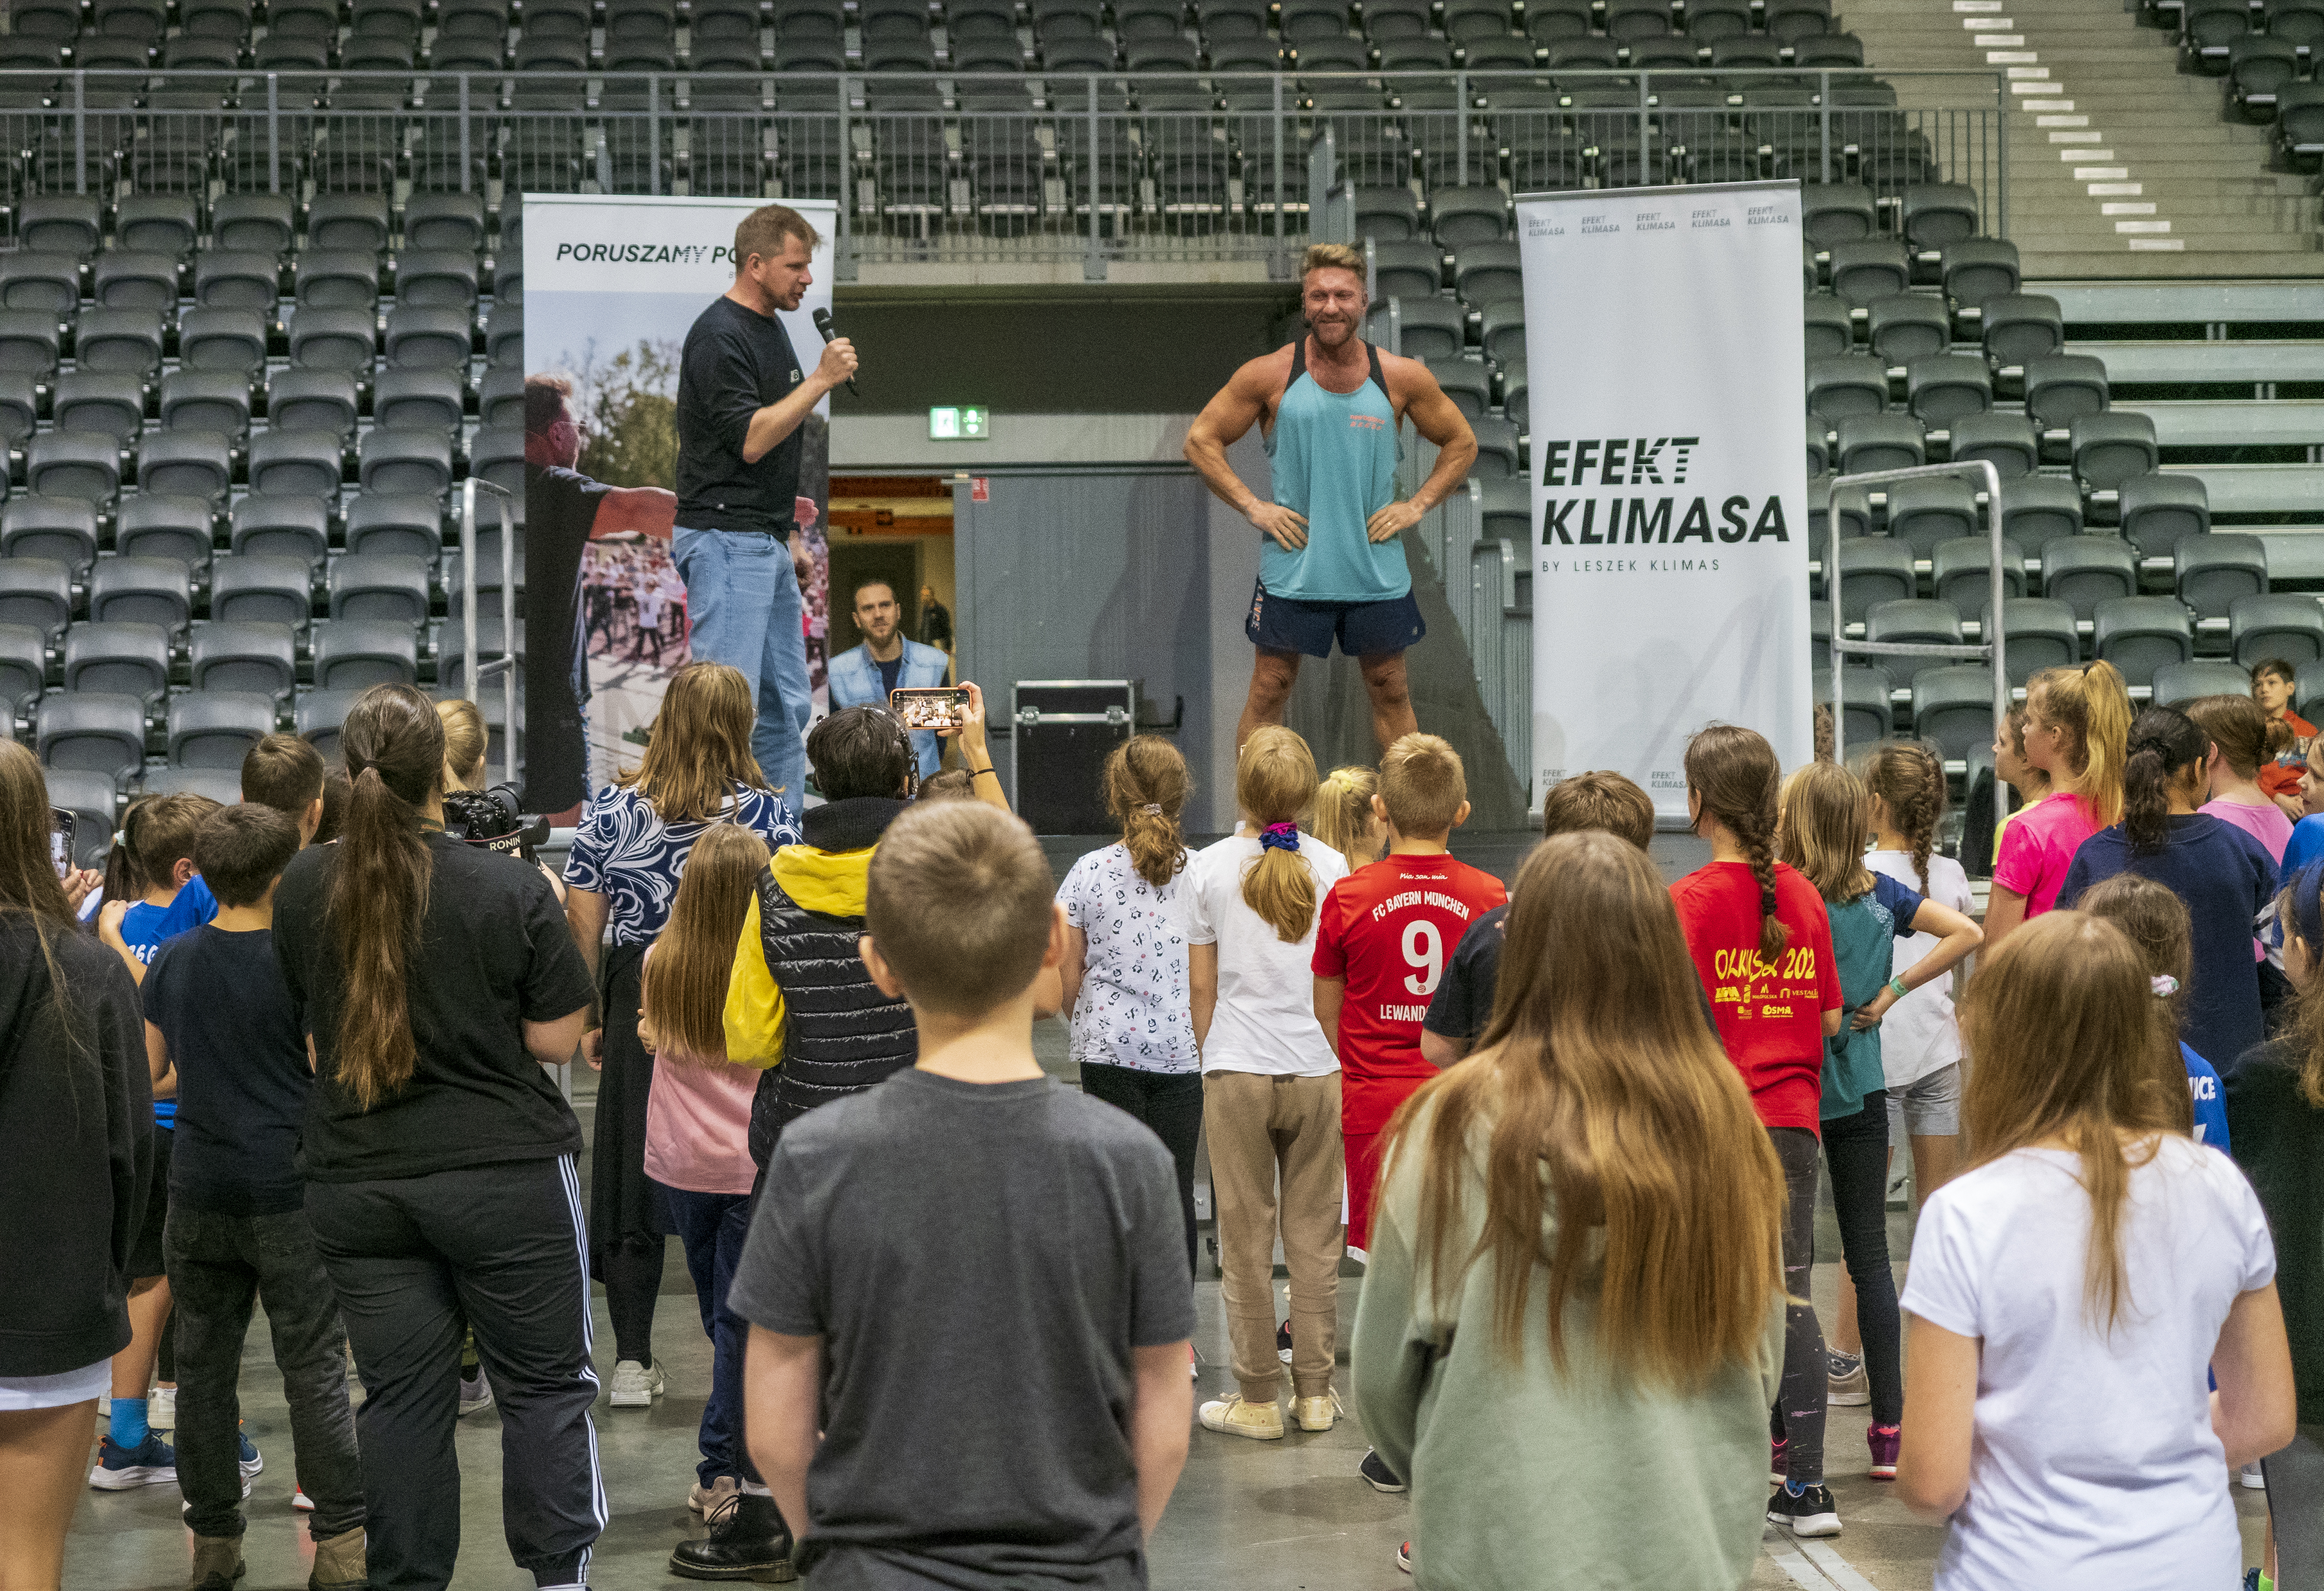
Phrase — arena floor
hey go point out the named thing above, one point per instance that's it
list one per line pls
(1247, 1516)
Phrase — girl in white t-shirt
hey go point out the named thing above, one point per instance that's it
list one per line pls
(2071, 1287)
(1270, 1084)
(1125, 964)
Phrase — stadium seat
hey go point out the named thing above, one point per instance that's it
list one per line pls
(351, 654)
(1818, 452)
(1928, 511)
(20, 408)
(332, 339)
(427, 339)
(1874, 570)
(295, 463)
(405, 525)
(1913, 623)
(373, 586)
(496, 453)
(119, 658)
(2183, 682)
(1507, 508)
(1908, 325)
(2161, 511)
(2308, 691)
(216, 728)
(312, 401)
(1515, 394)
(1851, 384)
(2085, 572)
(1462, 217)
(1952, 708)
(2210, 29)
(232, 341)
(437, 278)
(1464, 381)
(121, 340)
(205, 400)
(246, 657)
(1499, 454)
(415, 461)
(352, 221)
(1834, 213)
(1864, 701)
(47, 281)
(1830, 330)
(1428, 329)
(1867, 269)
(456, 220)
(236, 278)
(130, 279)
(418, 400)
(1961, 571)
(35, 592)
(91, 798)
(2284, 626)
(58, 530)
(2112, 447)
(318, 715)
(334, 279)
(73, 464)
(1819, 635)
(158, 223)
(23, 669)
(29, 343)
(1486, 272)
(249, 588)
(2020, 328)
(186, 463)
(2062, 388)
(1939, 214)
(2008, 441)
(67, 223)
(91, 733)
(2215, 570)
(281, 525)
(1855, 516)
(2038, 633)
(1945, 387)
(262, 223)
(1977, 269)
(500, 397)
(2139, 634)
(1386, 215)
(1406, 269)
(505, 333)
(140, 590)
(156, 524)
(2036, 509)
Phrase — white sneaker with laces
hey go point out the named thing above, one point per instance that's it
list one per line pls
(636, 1385)
(161, 1409)
(1237, 1416)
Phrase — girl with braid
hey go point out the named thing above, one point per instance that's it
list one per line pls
(1762, 945)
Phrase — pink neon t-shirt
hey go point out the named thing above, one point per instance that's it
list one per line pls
(2039, 845)
(2267, 824)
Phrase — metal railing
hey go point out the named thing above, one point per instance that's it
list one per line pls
(473, 672)
(1988, 650)
(1209, 166)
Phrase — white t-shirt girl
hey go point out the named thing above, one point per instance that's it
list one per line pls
(2094, 1463)
(1133, 1007)
(1265, 1020)
(1920, 1034)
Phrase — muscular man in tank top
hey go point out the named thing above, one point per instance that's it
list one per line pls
(1331, 566)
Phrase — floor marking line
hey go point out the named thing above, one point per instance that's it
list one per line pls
(1803, 1574)
(1827, 1557)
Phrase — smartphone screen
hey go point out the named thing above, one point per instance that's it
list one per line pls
(64, 828)
(939, 707)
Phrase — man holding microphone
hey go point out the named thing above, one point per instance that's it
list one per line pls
(741, 400)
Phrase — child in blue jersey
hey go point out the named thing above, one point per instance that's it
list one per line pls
(1822, 820)
(2157, 922)
(155, 895)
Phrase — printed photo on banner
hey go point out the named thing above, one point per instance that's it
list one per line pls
(1669, 532)
(612, 285)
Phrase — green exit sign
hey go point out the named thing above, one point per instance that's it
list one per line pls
(959, 425)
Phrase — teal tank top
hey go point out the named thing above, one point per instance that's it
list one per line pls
(1336, 456)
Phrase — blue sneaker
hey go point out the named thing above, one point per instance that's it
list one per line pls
(151, 1462)
(251, 1462)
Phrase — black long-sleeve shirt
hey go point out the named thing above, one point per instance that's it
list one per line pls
(735, 363)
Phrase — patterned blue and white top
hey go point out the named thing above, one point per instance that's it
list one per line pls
(624, 852)
(1133, 1009)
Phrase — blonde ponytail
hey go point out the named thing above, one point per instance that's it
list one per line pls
(1146, 787)
(1275, 781)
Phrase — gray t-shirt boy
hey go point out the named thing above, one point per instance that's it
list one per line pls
(981, 1259)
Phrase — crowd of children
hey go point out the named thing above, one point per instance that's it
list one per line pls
(1574, 1131)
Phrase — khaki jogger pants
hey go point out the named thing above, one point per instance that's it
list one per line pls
(1259, 1126)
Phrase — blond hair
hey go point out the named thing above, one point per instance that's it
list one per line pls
(1275, 781)
(1600, 799)
(2093, 704)
(959, 902)
(1146, 787)
(1421, 786)
(683, 985)
(764, 230)
(2072, 1046)
(1825, 810)
(1331, 256)
(1343, 818)
(465, 742)
(1608, 1110)
(700, 747)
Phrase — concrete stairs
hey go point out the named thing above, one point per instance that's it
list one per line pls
(2119, 164)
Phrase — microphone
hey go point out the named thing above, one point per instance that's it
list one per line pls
(823, 325)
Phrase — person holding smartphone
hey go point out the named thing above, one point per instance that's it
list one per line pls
(863, 675)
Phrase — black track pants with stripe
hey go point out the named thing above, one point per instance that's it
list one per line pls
(506, 1248)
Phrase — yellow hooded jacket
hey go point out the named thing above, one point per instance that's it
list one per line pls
(829, 882)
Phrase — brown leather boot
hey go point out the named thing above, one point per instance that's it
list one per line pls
(217, 1563)
(339, 1564)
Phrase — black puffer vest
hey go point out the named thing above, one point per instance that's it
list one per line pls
(840, 1034)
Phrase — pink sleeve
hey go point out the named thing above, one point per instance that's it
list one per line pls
(2018, 867)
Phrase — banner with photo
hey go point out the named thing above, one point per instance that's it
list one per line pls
(611, 284)
(1670, 529)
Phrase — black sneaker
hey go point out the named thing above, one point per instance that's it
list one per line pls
(1283, 1342)
(1808, 1511)
(748, 1540)
(1375, 1470)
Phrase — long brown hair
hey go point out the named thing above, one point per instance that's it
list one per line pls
(685, 983)
(2072, 1046)
(1275, 781)
(2164, 745)
(1598, 1068)
(394, 746)
(2306, 1027)
(29, 885)
(2092, 703)
(700, 747)
(2238, 726)
(1344, 819)
(1910, 780)
(1733, 770)
(1146, 787)
(1826, 810)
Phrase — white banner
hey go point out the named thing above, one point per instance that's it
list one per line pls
(1670, 555)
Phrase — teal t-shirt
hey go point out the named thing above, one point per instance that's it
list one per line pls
(1335, 457)
(1863, 932)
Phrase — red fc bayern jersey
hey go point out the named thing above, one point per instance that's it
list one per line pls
(1389, 929)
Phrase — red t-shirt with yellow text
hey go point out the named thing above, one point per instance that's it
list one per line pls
(1770, 1014)
(1390, 929)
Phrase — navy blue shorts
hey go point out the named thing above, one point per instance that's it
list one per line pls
(1285, 624)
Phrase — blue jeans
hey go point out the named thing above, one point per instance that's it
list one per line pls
(712, 1226)
(744, 609)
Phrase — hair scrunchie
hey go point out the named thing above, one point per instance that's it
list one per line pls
(2164, 985)
(1279, 837)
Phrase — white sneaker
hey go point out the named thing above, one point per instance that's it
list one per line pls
(636, 1385)
(161, 1409)
(2254, 1479)
(301, 1501)
(1316, 1413)
(1237, 1416)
